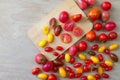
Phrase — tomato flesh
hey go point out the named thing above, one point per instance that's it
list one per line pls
(77, 31)
(65, 38)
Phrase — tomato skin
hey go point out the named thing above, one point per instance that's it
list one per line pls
(59, 48)
(100, 57)
(106, 5)
(61, 57)
(78, 75)
(73, 50)
(40, 59)
(35, 71)
(48, 66)
(82, 4)
(69, 25)
(91, 36)
(64, 16)
(52, 77)
(98, 76)
(82, 45)
(109, 26)
(105, 75)
(94, 47)
(94, 14)
(112, 35)
(98, 26)
(77, 31)
(103, 37)
(105, 16)
(76, 17)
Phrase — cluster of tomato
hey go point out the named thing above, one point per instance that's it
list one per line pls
(91, 62)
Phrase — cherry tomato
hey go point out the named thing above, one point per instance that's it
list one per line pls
(95, 47)
(48, 49)
(108, 68)
(88, 62)
(84, 78)
(68, 69)
(76, 17)
(58, 63)
(94, 14)
(82, 45)
(103, 37)
(109, 26)
(103, 65)
(91, 2)
(55, 69)
(105, 75)
(82, 4)
(48, 66)
(107, 51)
(91, 53)
(52, 77)
(68, 26)
(55, 53)
(78, 75)
(72, 60)
(100, 57)
(106, 5)
(65, 38)
(71, 75)
(35, 71)
(73, 50)
(40, 59)
(86, 68)
(105, 16)
(77, 31)
(64, 16)
(112, 35)
(98, 26)
(61, 57)
(59, 48)
(76, 65)
(97, 76)
(91, 36)
(52, 23)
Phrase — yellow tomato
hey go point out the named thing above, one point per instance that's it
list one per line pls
(62, 72)
(42, 76)
(94, 59)
(113, 46)
(45, 30)
(101, 49)
(108, 62)
(82, 56)
(67, 57)
(50, 37)
(42, 43)
(100, 70)
(79, 70)
(90, 77)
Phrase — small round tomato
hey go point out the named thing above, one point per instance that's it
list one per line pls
(65, 38)
(77, 31)
(94, 14)
(76, 17)
(106, 5)
(69, 25)
(71, 75)
(64, 16)
(112, 35)
(82, 4)
(40, 59)
(52, 77)
(91, 2)
(98, 26)
(35, 71)
(72, 60)
(68, 69)
(48, 66)
(82, 45)
(110, 26)
(91, 36)
(94, 47)
(105, 16)
(103, 37)
(58, 63)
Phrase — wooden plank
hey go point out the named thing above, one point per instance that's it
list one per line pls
(35, 33)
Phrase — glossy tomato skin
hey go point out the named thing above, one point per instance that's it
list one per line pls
(82, 45)
(82, 4)
(98, 26)
(68, 69)
(52, 77)
(40, 59)
(76, 17)
(35, 71)
(64, 16)
(105, 16)
(109, 26)
(94, 47)
(94, 14)
(48, 66)
(91, 36)
(72, 60)
(71, 75)
(103, 37)
(106, 5)
(112, 35)
(73, 50)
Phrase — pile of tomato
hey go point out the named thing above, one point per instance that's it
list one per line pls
(91, 58)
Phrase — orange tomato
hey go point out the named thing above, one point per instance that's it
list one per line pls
(94, 14)
(91, 36)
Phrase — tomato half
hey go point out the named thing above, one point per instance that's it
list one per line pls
(65, 38)
(68, 26)
(77, 31)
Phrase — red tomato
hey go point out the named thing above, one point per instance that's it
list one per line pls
(94, 14)
(76, 65)
(95, 47)
(91, 36)
(110, 26)
(59, 48)
(82, 4)
(88, 62)
(52, 77)
(58, 63)
(55, 69)
(105, 75)
(91, 2)
(97, 76)
(73, 50)
(82, 45)
(112, 35)
(68, 26)
(76, 17)
(71, 75)
(84, 78)
(78, 75)
(72, 60)
(98, 26)
(48, 66)
(77, 31)
(105, 16)
(64, 16)
(65, 38)
(106, 5)
(61, 57)
(100, 57)
(107, 51)
(103, 37)
(35, 71)
(40, 59)
(68, 69)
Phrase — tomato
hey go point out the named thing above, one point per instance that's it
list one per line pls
(58, 63)
(72, 60)
(77, 31)
(35, 71)
(76, 17)
(68, 69)
(82, 45)
(94, 14)
(84, 78)
(98, 26)
(78, 75)
(106, 5)
(91, 36)
(64, 16)
(95, 47)
(71, 75)
(105, 16)
(59, 48)
(40, 59)
(88, 62)
(61, 57)
(107, 51)
(65, 38)
(91, 2)
(73, 50)
(100, 57)
(48, 49)
(103, 37)
(82, 4)
(52, 77)
(48, 66)
(68, 26)
(91, 53)
(109, 26)
(76, 65)
(97, 76)
(57, 30)
(55, 69)
(112, 35)
(105, 75)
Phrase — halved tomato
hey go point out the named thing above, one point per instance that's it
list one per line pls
(68, 26)
(77, 31)
(65, 38)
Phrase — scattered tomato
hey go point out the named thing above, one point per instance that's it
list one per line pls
(84, 78)
(58, 63)
(100, 57)
(98, 26)
(73, 50)
(78, 75)
(48, 66)
(40, 59)
(112, 35)
(57, 30)
(103, 37)
(91, 2)
(55, 68)
(52, 22)
(71, 75)
(91, 36)
(48, 49)
(76, 17)
(105, 75)
(68, 69)
(35, 70)
(72, 60)
(76, 65)
(94, 47)
(107, 51)
(109, 26)
(106, 5)
(82, 45)
(61, 57)
(77, 31)
(105, 16)
(97, 76)
(55, 53)
(59, 48)
(64, 16)
(52, 77)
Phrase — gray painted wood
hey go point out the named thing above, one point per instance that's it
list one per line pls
(16, 50)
